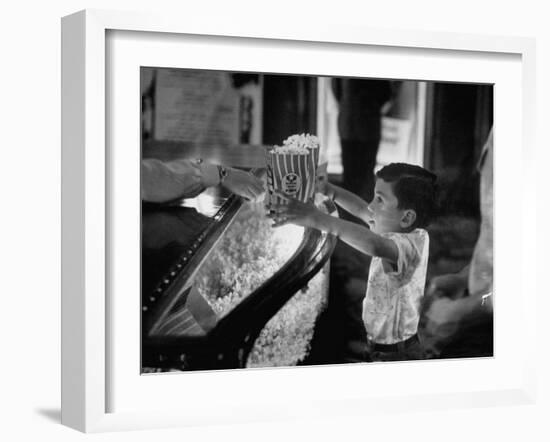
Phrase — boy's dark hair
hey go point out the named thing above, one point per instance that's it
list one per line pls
(414, 187)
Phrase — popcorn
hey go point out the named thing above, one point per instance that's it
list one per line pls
(301, 141)
(298, 144)
(291, 150)
(292, 167)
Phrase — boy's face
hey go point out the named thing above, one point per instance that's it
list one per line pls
(385, 215)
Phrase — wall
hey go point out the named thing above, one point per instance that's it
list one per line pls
(30, 222)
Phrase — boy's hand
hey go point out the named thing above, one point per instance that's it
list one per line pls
(321, 182)
(329, 190)
(294, 212)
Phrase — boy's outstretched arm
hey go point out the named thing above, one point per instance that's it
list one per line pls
(349, 201)
(357, 236)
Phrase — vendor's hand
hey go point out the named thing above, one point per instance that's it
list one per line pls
(451, 286)
(293, 212)
(244, 184)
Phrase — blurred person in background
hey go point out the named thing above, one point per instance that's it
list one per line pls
(360, 104)
(458, 314)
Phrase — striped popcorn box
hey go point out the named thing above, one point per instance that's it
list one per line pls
(291, 169)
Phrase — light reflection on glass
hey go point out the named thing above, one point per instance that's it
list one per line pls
(287, 238)
(207, 203)
(250, 252)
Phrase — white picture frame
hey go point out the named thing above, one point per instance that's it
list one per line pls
(87, 213)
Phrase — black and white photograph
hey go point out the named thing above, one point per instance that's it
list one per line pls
(299, 220)
(280, 221)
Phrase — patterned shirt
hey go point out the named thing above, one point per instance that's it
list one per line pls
(391, 308)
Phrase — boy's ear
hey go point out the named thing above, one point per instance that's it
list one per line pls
(408, 218)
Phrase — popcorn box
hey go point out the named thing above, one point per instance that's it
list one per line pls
(292, 169)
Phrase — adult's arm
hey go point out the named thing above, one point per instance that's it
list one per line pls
(163, 181)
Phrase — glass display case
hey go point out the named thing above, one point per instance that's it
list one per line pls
(221, 288)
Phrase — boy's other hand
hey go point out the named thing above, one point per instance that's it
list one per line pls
(329, 191)
(321, 179)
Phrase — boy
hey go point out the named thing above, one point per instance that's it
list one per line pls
(404, 200)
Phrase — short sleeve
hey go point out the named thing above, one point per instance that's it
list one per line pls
(410, 247)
